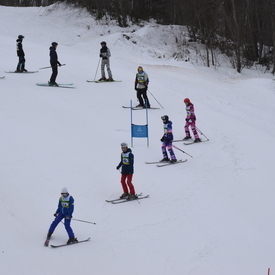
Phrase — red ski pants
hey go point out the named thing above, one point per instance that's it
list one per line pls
(126, 182)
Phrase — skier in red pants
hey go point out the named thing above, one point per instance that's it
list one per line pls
(127, 171)
(190, 121)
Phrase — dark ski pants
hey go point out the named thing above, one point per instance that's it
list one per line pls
(54, 73)
(67, 224)
(21, 63)
(142, 95)
(126, 182)
(169, 148)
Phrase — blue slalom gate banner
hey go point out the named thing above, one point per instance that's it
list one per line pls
(139, 131)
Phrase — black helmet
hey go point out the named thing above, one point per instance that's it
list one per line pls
(54, 44)
(165, 117)
(21, 36)
(103, 43)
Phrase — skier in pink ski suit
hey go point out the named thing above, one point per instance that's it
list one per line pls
(190, 121)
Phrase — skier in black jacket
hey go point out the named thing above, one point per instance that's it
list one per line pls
(54, 63)
(20, 53)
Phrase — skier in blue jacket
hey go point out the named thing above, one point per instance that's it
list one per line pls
(64, 211)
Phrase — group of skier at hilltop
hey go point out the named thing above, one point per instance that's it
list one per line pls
(66, 202)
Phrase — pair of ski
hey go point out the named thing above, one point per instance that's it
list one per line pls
(117, 201)
(28, 72)
(103, 81)
(189, 143)
(162, 164)
(138, 108)
(69, 85)
(65, 244)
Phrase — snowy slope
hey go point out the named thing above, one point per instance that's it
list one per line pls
(211, 215)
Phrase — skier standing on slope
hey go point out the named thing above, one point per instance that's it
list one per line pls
(54, 63)
(141, 87)
(64, 211)
(167, 140)
(105, 55)
(127, 171)
(190, 121)
(21, 55)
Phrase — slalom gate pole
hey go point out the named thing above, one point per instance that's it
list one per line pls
(155, 99)
(181, 150)
(50, 67)
(201, 133)
(97, 68)
(83, 221)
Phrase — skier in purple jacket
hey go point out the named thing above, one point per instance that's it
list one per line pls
(190, 121)
(167, 140)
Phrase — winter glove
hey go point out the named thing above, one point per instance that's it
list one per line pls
(55, 214)
(164, 139)
(117, 167)
(100, 55)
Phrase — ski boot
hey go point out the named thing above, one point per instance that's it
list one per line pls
(48, 239)
(132, 197)
(165, 160)
(124, 196)
(102, 79)
(72, 240)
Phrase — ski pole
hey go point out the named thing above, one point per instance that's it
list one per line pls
(201, 132)
(83, 221)
(97, 68)
(50, 67)
(156, 100)
(181, 150)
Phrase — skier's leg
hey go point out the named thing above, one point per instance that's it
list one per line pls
(54, 74)
(130, 184)
(163, 149)
(102, 68)
(67, 224)
(146, 100)
(193, 128)
(56, 221)
(123, 183)
(108, 68)
(186, 128)
(139, 92)
(171, 151)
